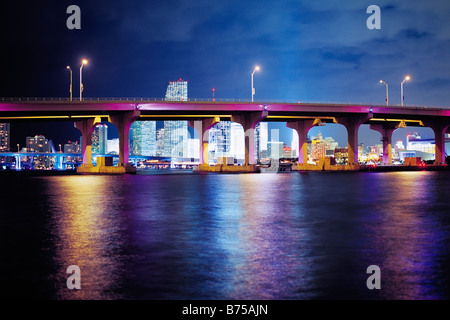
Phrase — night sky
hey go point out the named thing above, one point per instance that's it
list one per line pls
(307, 50)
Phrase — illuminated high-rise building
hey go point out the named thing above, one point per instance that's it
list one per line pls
(295, 144)
(4, 137)
(143, 138)
(176, 132)
(175, 139)
(100, 139)
(261, 140)
(219, 139)
(160, 142)
(193, 148)
(136, 139)
(38, 144)
(237, 141)
(177, 91)
(72, 147)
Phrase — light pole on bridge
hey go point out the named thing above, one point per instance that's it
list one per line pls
(407, 78)
(387, 92)
(253, 89)
(83, 62)
(70, 88)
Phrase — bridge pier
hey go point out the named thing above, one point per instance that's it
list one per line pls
(123, 122)
(249, 121)
(302, 127)
(87, 126)
(352, 123)
(386, 131)
(440, 129)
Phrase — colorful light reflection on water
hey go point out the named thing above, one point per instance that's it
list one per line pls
(249, 236)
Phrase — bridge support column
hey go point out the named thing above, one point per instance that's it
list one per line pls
(440, 129)
(123, 122)
(86, 126)
(202, 127)
(386, 131)
(302, 127)
(352, 123)
(249, 122)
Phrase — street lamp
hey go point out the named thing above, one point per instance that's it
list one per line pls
(70, 89)
(387, 92)
(213, 90)
(83, 62)
(253, 89)
(407, 78)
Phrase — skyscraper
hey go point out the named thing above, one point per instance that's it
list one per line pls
(177, 91)
(148, 138)
(295, 144)
(4, 137)
(143, 138)
(219, 138)
(261, 140)
(100, 139)
(176, 132)
(160, 142)
(136, 139)
(237, 141)
(175, 138)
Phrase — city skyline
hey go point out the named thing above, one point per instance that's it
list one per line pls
(322, 51)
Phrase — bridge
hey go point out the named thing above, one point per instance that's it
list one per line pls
(203, 114)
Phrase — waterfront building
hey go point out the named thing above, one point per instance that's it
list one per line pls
(72, 147)
(176, 132)
(275, 149)
(38, 143)
(295, 143)
(261, 140)
(136, 139)
(237, 141)
(160, 142)
(143, 138)
(113, 146)
(193, 149)
(287, 151)
(4, 137)
(219, 140)
(100, 139)
(341, 155)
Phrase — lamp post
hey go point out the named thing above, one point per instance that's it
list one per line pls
(406, 79)
(213, 90)
(70, 88)
(83, 62)
(253, 89)
(387, 92)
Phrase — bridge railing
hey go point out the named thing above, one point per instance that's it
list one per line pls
(203, 100)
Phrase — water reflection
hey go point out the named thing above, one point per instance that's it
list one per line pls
(87, 226)
(403, 232)
(254, 236)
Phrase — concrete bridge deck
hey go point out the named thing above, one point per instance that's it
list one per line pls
(203, 114)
